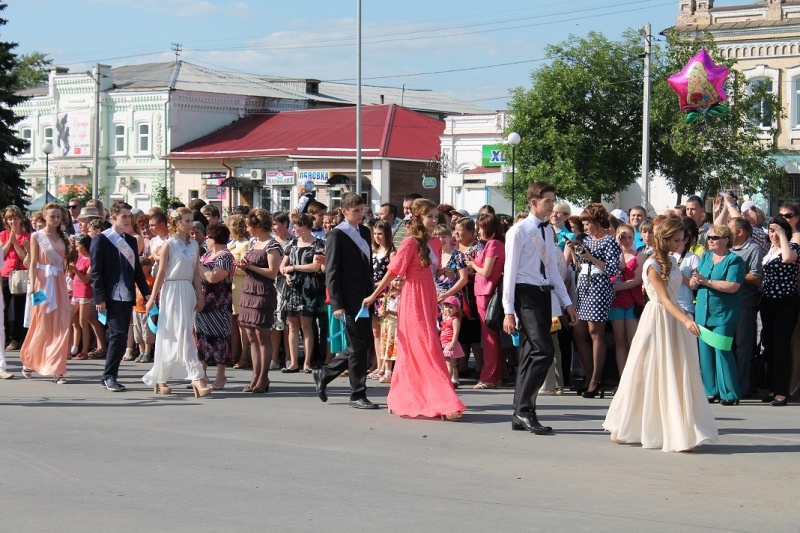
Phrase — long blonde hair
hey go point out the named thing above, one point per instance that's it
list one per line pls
(421, 207)
(664, 233)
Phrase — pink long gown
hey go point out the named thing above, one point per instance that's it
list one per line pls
(46, 347)
(420, 382)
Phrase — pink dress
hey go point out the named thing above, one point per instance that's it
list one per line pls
(46, 346)
(420, 382)
(446, 337)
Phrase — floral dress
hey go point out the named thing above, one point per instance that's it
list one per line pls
(306, 293)
(595, 291)
(213, 323)
(380, 266)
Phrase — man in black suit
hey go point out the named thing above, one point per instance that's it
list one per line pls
(115, 270)
(348, 274)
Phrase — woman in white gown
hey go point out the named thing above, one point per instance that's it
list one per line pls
(179, 283)
(660, 401)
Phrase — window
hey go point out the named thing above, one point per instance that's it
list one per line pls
(143, 141)
(119, 138)
(27, 135)
(48, 135)
(762, 109)
(285, 200)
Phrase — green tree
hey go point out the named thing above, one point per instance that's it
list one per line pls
(580, 122)
(731, 151)
(31, 70)
(12, 186)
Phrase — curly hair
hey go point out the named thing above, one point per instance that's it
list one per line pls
(175, 217)
(419, 209)
(664, 233)
(303, 219)
(596, 214)
(237, 226)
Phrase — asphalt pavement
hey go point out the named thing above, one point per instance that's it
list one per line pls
(76, 457)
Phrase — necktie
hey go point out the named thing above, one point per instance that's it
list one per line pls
(543, 225)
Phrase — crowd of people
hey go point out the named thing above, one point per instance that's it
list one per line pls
(424, 300)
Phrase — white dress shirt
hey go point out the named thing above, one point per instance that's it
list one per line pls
(524, 260)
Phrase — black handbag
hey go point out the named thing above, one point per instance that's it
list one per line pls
(494, 309)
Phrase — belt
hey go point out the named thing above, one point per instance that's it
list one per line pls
(543, 288)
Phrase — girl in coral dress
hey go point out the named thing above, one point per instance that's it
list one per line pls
(46, 347)
(420, 382)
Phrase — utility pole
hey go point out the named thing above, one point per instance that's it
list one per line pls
(358, 99)
(96, 142)
(645, 32)
(177, 48)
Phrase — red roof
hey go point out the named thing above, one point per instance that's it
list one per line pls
(387, 131)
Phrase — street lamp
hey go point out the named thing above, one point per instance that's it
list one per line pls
(47, 148)
(513, 140)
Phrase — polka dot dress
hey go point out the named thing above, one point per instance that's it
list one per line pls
(780, 279)
(595, 291)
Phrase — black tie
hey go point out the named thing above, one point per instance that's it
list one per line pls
(543, 225)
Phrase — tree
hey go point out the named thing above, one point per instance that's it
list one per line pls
(31, 70)
(580, 122)
(12, 186)
(732, 152)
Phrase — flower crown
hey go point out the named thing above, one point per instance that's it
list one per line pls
(174, 214)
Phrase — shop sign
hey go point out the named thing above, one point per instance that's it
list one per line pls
(279, 178)
(318, 177)
(213, 175)
(213, 190)
(428, 182)
(492, 156)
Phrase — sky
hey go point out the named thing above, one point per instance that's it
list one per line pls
(472, 50)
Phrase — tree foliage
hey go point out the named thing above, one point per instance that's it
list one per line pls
(12, 186)
(581, 123)
(732, 151)
(31, 70)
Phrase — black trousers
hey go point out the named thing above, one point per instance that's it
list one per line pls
(536, 350)
(353, 358)
(779, 317)
(15, 308)
(119, 318)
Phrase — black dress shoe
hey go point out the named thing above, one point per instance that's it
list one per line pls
(320, 386)
(529, 423)
(779, 403)
(729, 402)
(363, 403)
(112, 385)
(712, 399)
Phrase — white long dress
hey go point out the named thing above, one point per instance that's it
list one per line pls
(660, 401)
(175, 350)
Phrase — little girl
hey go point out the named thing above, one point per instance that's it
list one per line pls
(388, 329)
(81, 274)
(450, 327)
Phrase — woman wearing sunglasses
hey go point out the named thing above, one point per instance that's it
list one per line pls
(717, 280)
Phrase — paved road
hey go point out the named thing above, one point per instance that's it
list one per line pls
(79, 458)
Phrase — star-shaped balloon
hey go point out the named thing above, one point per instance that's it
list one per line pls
(701, 84)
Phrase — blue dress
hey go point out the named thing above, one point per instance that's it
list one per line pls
(595, 291)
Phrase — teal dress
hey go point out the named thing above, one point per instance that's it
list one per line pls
(719, 312)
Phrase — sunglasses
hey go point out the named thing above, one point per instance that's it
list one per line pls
(787, 215)
(74, 207)
(715, 237)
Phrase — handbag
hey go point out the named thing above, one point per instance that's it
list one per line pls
(18, 282)
(494, 310)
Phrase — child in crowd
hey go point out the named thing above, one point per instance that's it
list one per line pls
(142, 334)
(387, 312)
(382, 253)
(646, 230)
(80, 272)
(330, 220)
(448, 278)
(305, 189)
(450, 327)
(318, 210)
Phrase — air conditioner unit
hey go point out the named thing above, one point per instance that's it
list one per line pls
(257, 174)
(125, 181)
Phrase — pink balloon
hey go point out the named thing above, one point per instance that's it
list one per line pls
(701, 83)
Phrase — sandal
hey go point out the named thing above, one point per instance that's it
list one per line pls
(485, 385)
(80, 356)
(375, 375)
(97, 353)
(61, 380)
(27, 373)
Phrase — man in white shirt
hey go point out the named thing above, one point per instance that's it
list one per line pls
(530, 277)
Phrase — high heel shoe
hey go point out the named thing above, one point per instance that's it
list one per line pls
(729, 402)
(451, 416)
(779, 403)
(200, 392)
(713, 399)
(594, 392)
(162, 388)
(220, 386)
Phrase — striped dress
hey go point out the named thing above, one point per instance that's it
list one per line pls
(214, 321)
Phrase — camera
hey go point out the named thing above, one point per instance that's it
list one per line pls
(579, 249)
